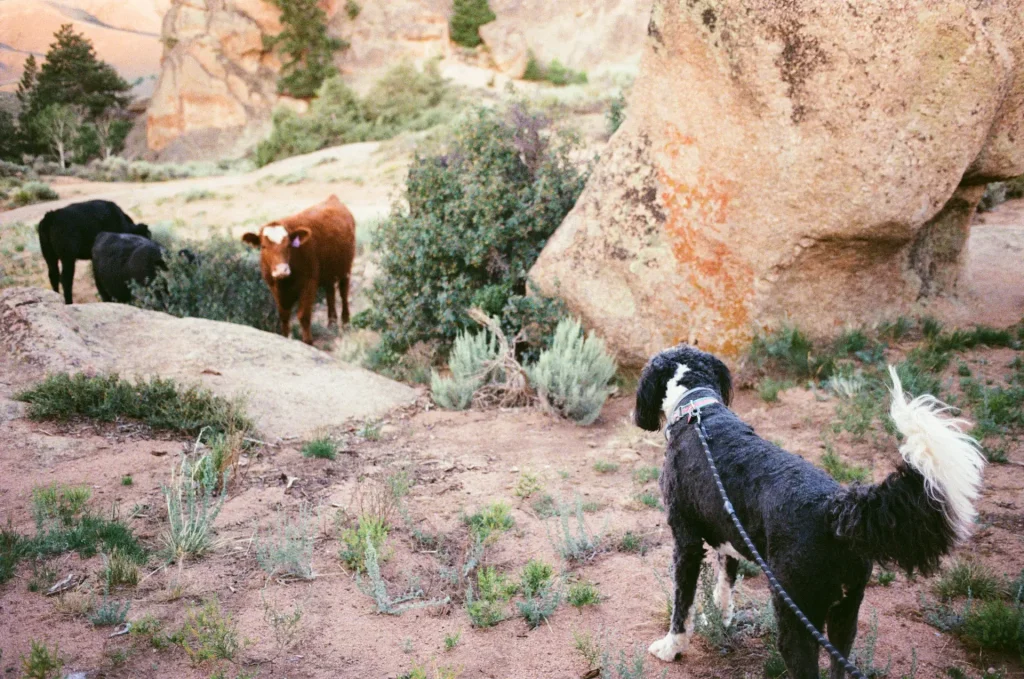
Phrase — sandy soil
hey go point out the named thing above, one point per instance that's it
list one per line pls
(459, 462)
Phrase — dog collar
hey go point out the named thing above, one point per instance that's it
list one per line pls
(689, 407)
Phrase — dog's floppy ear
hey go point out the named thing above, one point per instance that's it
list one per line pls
(724, 378)
(651, 392)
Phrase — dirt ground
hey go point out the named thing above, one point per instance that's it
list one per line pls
(458, 462)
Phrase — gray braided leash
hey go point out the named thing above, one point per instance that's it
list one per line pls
(773, 583)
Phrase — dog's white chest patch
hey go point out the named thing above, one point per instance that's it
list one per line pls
(674, 390)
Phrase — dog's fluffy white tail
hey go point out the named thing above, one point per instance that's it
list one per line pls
(935, 445)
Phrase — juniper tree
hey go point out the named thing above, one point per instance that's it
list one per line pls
(306, 49)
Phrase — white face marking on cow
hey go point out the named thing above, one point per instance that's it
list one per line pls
(275, 234)
(281, 271)
(674, 389)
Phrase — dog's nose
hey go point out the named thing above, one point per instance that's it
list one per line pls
(281, 271)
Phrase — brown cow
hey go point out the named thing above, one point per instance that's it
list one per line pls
(300, 253)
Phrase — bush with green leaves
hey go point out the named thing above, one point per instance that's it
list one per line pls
(616, 113)
(495, 517)
(33, 192)
(209, 634)
(572, 377)
(472, 222)
(159, 403)
(41, 662)
(222, 283)
(369, 530)
(467, 18)
(404, 100)
(468, 364)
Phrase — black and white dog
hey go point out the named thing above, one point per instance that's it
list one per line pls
(818, 537)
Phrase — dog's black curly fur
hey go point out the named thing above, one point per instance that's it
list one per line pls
(819, 538)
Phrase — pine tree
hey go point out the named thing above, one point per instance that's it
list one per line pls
(9, 146)
(306, 48)
(73, 75)
(467, 18)
(28, 81)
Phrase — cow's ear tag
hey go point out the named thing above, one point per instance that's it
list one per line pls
(295, 243)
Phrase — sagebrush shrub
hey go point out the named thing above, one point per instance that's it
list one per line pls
(572, 377)
(222, 283)
(33, 192)
(472, 222)
(468, 364)
(192, 506)
(287, 547)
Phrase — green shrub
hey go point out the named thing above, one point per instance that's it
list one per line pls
(468, 364)
(467, 18)
(605, 467)
(41, 662)
(534, 71)
(493, 518)
(995, 626)
(582, 594)
(404, 100)
(556, 73)
(287, 548)
(842, 471)
(581, 545)
(110, 613)
(540, 606)
(209, 634)
(159, 403)
(969, 579)
(119, 569)
(644, 475)
(13, 547)
(476, 221)
(790, 352)
(768, 389)
(352, 9)
(573, 376)
(616, 113)
(632, 543)
(305, 47)
(369, 530)
(323, 448)
(536, 576)
(649, 500)
(222, 284)
(33, 192)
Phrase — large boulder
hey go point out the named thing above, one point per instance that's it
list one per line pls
(817, 163)
(290, 389)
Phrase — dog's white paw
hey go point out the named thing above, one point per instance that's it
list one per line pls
(669, 646)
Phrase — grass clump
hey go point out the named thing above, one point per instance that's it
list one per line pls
(527, 485)
(582, 594)
(844, 472)
(287, 547)
(572, 377)
(41, 662)
(649, 500)
(467, 18)
(369, 530)
(209, 634)
(473, 220)
(545, 506)
(323, 448)
(632, 543)
(452, 640)
(193, 504)
(969, 579)
(221, 282)
(605, 467)
(575, 546)
(494, 518)
(159, 403)
(471, 353)
(788, 351)
(768, 389)
(644, 475)
(119, 569)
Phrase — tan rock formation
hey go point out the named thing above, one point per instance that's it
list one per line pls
(589, 35)
(290, 389)
(811, 162)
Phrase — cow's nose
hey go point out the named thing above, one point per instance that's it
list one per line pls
(281, 271)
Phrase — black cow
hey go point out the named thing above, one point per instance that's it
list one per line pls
(68, 234)
(120, 258)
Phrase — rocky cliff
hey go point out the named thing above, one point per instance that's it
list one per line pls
(217, 87)
(812, 163)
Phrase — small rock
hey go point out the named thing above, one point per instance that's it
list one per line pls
(630, 456)
(514, 470)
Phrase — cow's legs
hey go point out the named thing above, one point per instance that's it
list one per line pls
(343, 284)
(332, 309)
(285, 315)
(67, 278)
(306, 302)
(54, 270)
